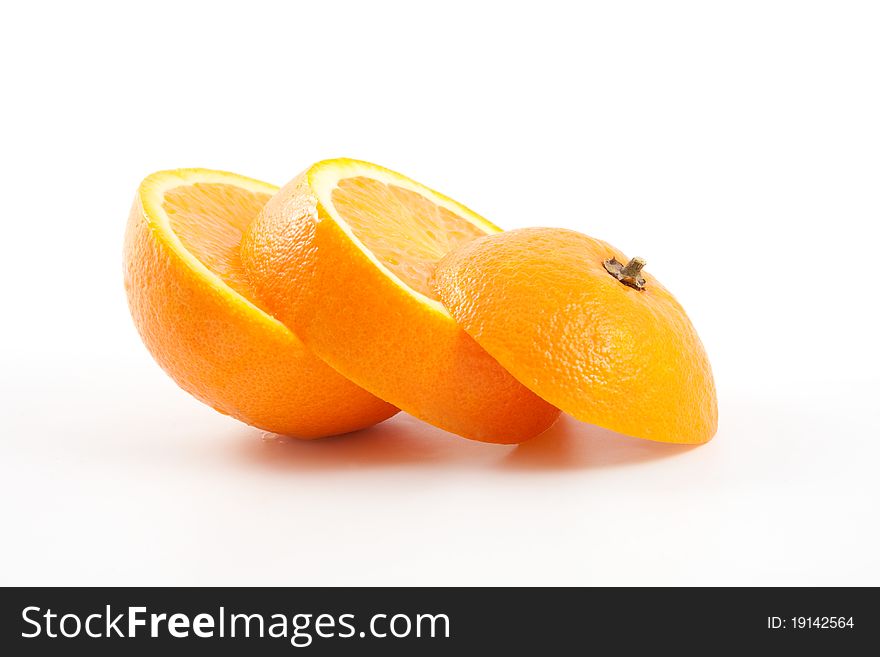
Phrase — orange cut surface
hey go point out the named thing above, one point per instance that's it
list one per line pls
(192, 304)
(405, 231)
(344, 256)
(209, 219)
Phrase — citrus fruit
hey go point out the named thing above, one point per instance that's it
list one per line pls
(192, 305)
(586, 329)
(343, 255)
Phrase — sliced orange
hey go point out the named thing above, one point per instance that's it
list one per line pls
(343, 255)
(192, 304)
(586, 329)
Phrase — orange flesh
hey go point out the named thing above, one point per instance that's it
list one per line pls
(210, 218)
(405, 231)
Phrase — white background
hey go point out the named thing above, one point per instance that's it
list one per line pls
(736, 146)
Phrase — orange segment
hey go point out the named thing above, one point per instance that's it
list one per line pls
(343, 254)
(191, 303)
(541, 301)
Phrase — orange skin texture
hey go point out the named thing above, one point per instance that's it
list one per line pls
(228, 354)
(541, 302)
(312, 277)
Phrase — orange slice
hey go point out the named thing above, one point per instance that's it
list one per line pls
(343, 255)
(192, 304)
(610, 347)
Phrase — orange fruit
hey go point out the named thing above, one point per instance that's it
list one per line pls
(607, 344)
(343, 255)
(192, 304)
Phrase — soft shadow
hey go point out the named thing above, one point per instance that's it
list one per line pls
(399, 441)
(403, 441)
(573, 445)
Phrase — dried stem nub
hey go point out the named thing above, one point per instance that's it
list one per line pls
(628, 274)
